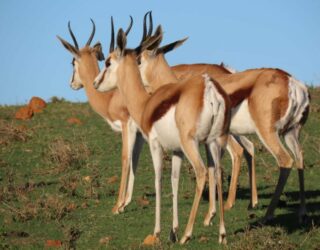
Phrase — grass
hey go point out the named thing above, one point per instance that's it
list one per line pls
(59, 181)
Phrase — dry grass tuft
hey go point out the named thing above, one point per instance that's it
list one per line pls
(262, 238)
(65, 154)
(49, 208)
(10, 132)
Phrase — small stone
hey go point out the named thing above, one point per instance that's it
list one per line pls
(24, 113)
(37, 104)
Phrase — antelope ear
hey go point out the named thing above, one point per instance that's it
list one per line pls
(73, 50)
(98, 50)
(151, 43)
(121, 42)
(157, 33)
(171, 46)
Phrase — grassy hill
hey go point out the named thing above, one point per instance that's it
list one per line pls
(59, 181)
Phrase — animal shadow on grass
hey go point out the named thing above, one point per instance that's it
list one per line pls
(290, 220)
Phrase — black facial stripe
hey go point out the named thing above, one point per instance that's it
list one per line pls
(72, 79)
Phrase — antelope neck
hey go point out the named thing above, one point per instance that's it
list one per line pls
(97, 100)
(161, 73)
(131, 89)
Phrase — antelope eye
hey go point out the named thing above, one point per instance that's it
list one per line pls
(72, 63)
(108, 63)
(139, 60)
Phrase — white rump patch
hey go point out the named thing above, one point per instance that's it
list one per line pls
(212, 116)
(298, 102)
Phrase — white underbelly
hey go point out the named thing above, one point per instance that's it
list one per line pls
(241, 121)
(166, 131)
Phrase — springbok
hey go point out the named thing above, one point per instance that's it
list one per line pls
(157, 75)
(175, 117)
(268, 102)
(109, 106)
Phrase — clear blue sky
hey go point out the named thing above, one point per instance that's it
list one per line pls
(244, 34)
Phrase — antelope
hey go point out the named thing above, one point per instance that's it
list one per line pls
(164, 122)
(110, 106)
(237, 144)
(268, 102)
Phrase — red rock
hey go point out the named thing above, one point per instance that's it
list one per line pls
(24, 113)
(73, 120)
(37, 104)
(53, 243)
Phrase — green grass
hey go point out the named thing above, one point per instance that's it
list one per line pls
(43, 197)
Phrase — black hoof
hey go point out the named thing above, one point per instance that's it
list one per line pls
(266, 221)
(173, 237)
(303, 219)
(282, 204)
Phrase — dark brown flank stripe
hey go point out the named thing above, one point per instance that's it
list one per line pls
(163, 107)
(238, 96)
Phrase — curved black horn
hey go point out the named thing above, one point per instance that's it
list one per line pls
(112, 37)
(144, 34)
(92, 33)
(130, 26)
(72, 36)
(151, 24)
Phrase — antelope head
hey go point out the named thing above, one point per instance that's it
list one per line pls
(82, 57)
(153, 56)
(108, 76)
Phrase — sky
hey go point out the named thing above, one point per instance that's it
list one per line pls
(244, 34)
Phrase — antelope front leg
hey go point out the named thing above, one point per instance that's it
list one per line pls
(212, 189)
(250, 158)
(156, 153)
(235, 151)
(175, 174)
(215, 150)
(125, 159)
(139, 141)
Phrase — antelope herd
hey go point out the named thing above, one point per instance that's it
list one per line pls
(177, 108)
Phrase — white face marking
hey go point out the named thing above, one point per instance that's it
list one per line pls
(107, 78)
(75, 81)
(143, 69)
(241, 121)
